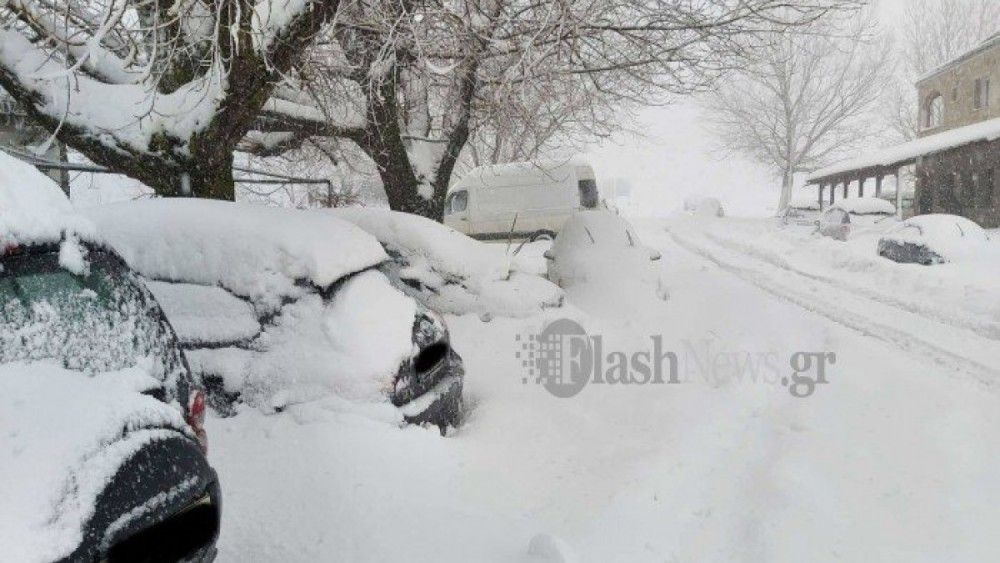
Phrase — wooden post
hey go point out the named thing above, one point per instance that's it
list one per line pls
(833, 191)
(846, 184)
(899, 197)
(878, 185)
(821, 186)
(861, 185)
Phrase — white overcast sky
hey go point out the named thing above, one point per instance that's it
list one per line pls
(675, 158)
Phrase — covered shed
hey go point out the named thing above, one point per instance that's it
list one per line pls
(955, 170)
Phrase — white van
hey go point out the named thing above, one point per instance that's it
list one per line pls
(532, 200)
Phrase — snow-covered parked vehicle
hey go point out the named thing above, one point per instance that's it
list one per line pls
(280, 306)
(102, 448)
(704, 206)
(934, 239)
(853, 215)
(450, 272)
(600, 260)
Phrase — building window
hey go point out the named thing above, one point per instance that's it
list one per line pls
(933, 111)
(981, 94)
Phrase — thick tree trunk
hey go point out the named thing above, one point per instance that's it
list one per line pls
(383, 142)
(214, 182)
(787, 182)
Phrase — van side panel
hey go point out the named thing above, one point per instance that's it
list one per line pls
(541, 199)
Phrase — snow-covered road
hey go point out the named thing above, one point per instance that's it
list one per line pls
(895, 459)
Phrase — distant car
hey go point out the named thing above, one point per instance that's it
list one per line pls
(853, 214)
(601, 250)
(702, 206)
(281, 306)
(105, 460)
(933, 239)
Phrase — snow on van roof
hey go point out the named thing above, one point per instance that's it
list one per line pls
(538, 167)
(254, 251)
(33, 210)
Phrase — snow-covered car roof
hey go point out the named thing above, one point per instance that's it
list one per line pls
(254, 251)
(597, 227)
(447, 249)
(693, 201)
(940, 226)
(865, 206)
(33, 210)
(64, 437)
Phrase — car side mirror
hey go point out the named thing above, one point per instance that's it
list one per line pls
(549, 255)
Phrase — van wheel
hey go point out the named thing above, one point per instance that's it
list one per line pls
(543, 235)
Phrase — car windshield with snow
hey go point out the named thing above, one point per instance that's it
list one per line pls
(79, 329)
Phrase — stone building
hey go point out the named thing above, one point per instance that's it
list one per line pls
(956, 155)
(961, 92)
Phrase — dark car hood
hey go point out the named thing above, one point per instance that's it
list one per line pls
(63, 437)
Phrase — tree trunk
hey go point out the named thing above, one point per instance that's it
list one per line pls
(214, 182)
(403, 189)
(787, 182)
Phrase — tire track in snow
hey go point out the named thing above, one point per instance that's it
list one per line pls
(984, 328)
(951, 347)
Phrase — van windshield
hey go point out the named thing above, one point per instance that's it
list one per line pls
(588, 194)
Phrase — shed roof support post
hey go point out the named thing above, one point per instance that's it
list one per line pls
(820, 194)
(847, 183)
(878, 185)
(861, 185)
(833, 191)
(899, 196)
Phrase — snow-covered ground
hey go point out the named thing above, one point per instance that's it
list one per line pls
(894, 460)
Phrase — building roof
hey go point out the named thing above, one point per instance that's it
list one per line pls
(985, 45)
(908, 152)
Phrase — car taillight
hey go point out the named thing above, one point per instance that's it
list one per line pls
(196, 418)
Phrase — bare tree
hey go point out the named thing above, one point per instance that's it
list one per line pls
(929, 34)
(804, 99)
(426, 77)
(159, 90)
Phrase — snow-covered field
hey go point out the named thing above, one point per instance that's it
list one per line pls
(894, 460)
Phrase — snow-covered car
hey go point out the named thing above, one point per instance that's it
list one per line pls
(102, 447)
(598, 253)
(703, 206)
(276, 307)
(452, 273)
(854, 214)
(933, 239)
